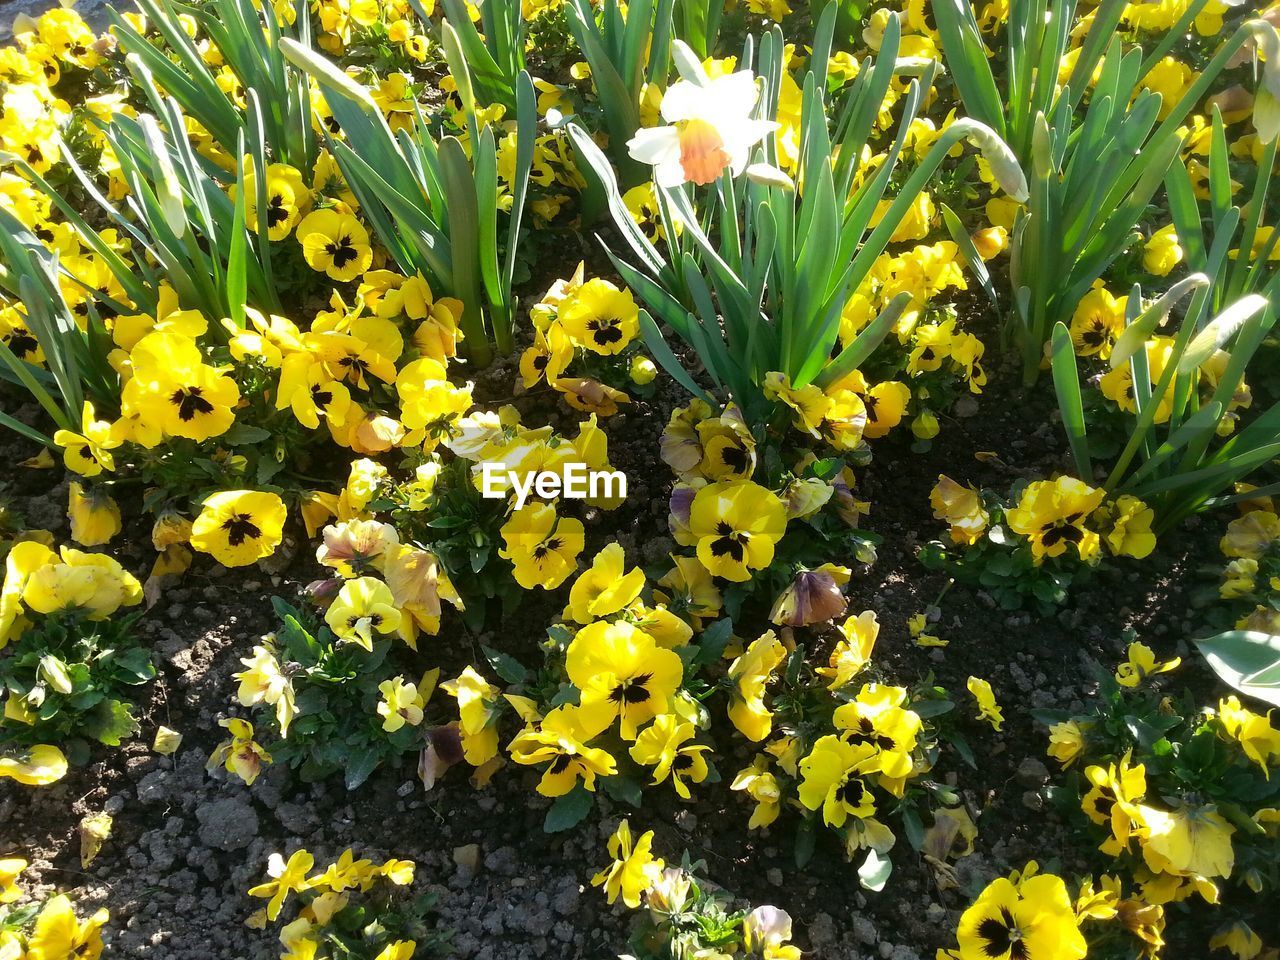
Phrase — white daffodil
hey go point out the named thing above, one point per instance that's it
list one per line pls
(710, 127)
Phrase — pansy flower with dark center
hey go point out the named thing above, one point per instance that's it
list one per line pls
(1052, 514)
(238, 527)
(560, 741)
(336, 244)
(736, 525)
(623, 673)
(601, 318)
(1031, 920)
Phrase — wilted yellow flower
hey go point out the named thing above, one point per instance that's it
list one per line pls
(762, 787)
(988, 709)
(749, 673)
(478, 714)
(94, 516)
(241, 755)
(852, 652)
(961, 507)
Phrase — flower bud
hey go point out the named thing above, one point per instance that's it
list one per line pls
(925, 426)
(990, 241)
(1041, 147)
(669, 892)
(642, 370)
(1004, 165)
(767, 175)
(54, 672)
(804, 498)
(815, 596)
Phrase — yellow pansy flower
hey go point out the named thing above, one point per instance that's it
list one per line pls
(335, 244)
(623, 673)
(749, 673)
(605, 587)
(634, 869)
(560, 740)
(664, 745)
(1141, 664)
(239, 527)
(363, 606)
(600, 317)
(58, 934)
(736, 525)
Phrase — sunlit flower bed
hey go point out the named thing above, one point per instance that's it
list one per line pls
(552, 344)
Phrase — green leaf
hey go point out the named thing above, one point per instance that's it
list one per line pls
(806, 842)
(360, 763)
(110, 722)
(623, 789)
(1066, 382)
(243, 434)
(713, 640)
(1219, 331)
(505, 666)
(874, 871)
(1242, 658)
(568, 811)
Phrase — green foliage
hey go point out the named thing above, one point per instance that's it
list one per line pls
(494, 52)
(337, 728)
(75, 357)
(1238, 254)
(1247, 660)
(247, 36)
(462, 529)
(687, 921)
(624, 52)
(697, 23)
(185, 228)
(781, 262)
(434, 208)
(1174, 457)
(1002, 564)
(1196, 764)
(77, 681)
(1091, 174)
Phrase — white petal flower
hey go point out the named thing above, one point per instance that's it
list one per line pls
(710, 130)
